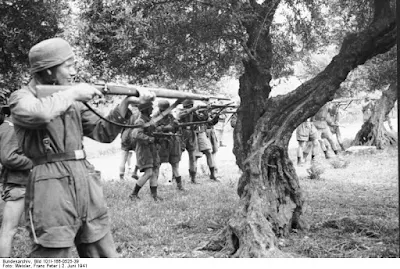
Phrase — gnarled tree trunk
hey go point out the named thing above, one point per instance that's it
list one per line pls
(373, 132)
(271, 201)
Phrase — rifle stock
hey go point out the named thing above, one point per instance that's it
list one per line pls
(128, 90)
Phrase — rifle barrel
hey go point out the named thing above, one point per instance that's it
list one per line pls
(345, 100)
(128, 90)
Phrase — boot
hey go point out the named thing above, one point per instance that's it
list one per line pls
(121, 176)
(153, 190)
(212, 174)
(193, 177)
(179, 183)
(134, 195)
(326, 155)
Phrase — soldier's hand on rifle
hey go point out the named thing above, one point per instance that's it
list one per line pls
(215, 120)
(168, 128)
(145, 96)
(84, 92)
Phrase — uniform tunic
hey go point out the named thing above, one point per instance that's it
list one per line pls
(320, 122)
(306, 132)
(194, 137)
(65, 198)
(16, 166)
(146, 151)
(170, 147)
(127, 142)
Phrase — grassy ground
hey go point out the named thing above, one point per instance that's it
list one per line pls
(352, 211)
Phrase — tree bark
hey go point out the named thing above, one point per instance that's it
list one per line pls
(271, 201)
(373, 132)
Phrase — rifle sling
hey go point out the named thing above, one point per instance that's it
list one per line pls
(147, 124)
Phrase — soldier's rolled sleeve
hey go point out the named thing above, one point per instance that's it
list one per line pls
(32, 113)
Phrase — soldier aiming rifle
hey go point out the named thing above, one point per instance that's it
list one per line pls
(170, 142)
(195, 139)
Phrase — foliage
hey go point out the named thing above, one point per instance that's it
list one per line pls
(382, 70)
(173, 42)
(189, 45)
(316, 170)
(23, 24)
(339, 163)
(375, 74)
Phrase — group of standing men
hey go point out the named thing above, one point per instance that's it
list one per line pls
(44, 168)
(165, 140)
(317, 132)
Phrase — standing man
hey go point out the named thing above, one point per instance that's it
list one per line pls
(367, 108)
(320, 122)
(219, 129)
(333, 122)
(306, 133)
(195, 137)
(147, 158)
(127, 146)
(65, 202)
(170, 146)
(14, 176)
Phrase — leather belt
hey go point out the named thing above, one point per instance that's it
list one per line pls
(59, 157)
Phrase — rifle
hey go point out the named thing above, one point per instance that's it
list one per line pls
(212, 107)
(345, 101)
(184, 124)
(128, 90)
(159, 136)
(342, 101)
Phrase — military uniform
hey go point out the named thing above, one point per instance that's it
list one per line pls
(320, 122)
(146, 150)
(127, 141)
(128, 144)
(306, 132)
(307, 137)
(333, 119)
(16, 167)
(196, 142)
(219, 131)
(170, 147)
(147, 156)
(65, 198)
